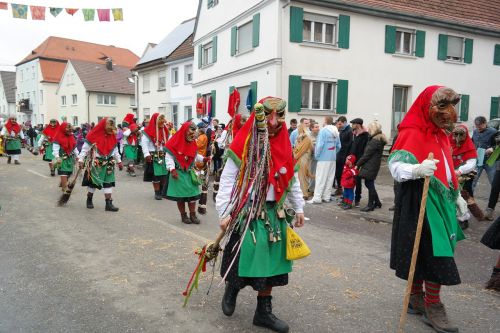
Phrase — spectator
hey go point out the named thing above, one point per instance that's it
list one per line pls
(369, 164)
(302, 153)
(482, 138)
(348, 181)
(220, 146)
(327, 145)
(495, 185)
(293, 126)
(358, 146)
(314, 162)
(295, 132)
(345, 133)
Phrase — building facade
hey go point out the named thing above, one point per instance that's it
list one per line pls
(359, 60)
(7, 95)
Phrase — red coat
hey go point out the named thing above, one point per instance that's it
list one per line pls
(348, 179)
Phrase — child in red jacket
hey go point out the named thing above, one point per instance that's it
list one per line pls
(348, 181)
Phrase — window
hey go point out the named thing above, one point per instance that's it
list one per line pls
(106, 99)
(188, 113)
(132, 100)
(244, 34)
(147, 113)
(162, 77)
(112, 118)
(75, 121)
(188, 74)
(455, 48)
(175, 114)
(175, 76)
(318, 95)
(399, 106)
(405, 41)
(212, 3)
(161, 109)
(244, 90)
(33, 72)
(74, 98)
(63, 100)
(145, 83)
(207, 57)
(319, 29)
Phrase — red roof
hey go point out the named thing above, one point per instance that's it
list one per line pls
(52, 71)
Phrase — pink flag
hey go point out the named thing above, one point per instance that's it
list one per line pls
(71, 11)
(3, 5)
(37, 12)
(103, 14)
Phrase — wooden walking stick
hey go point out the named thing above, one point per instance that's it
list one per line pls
(416, 245)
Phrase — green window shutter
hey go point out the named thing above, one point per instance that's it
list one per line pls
(442, 47)
(214, 49)
(294, 93)
(296, 24)
(234, 31)
(469, 44)
(231, 89)
(342, 93)
(253, 86)
(464, 107)
(496, 56)
(210, 3)
(494, 107)
(390, 39)
(200, 54)
(255, 30)
(420, 44)
(214, 102)
(344, 30)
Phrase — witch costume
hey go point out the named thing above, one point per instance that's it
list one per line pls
(130, 143)
(65, 153)
(12, 136)
(45, 143)
(99, 155)
(419, 136)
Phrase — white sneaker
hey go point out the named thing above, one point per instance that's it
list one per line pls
(306, 218)
(313, 202)
(328, 200)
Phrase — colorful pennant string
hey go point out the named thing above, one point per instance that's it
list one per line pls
(55, 11)
(88, 14)
(71, 11)
(37, 12)
(117, 14)
(3, 5)
(20, 11)
(103, 15)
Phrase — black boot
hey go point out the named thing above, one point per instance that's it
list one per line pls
(264, 316)
(194, 218)
(90, 205)
(52, 172)
(229, 299)
(185, 219)
(371, 203)
(110, 207)
(158, 195)
(9, 159)
(376, 200)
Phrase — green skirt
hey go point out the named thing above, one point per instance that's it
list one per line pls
(130, 152)
(49, 155)
(13, 144)
(183, 187)
(67, 164)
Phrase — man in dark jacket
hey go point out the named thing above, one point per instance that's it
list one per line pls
(358, 146)
(346, 138)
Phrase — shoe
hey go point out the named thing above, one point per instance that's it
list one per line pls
(463, 224)
(17, 162)
(435, 316)
(158, 195)
(488, 214)
(229, 300)
(416, 305)
(264, 316)
(476, 211)
(356, 204)
(90, 205)
(376, 200)
(494, 282)
(9, 159)
(110, 207)
(313, 202)
(185, 219)
(194, 219)
(392, 208)
(52, 172)
(326, 201)
(338, 192)
(347, 206)
(131, 172)
(371, 203)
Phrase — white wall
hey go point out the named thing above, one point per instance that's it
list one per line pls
(181, 94)
(71, 84)
(154, 98)
(118, 111)
(27, 77)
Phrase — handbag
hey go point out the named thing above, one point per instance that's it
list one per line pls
(296, 248)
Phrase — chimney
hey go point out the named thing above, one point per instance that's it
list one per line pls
(109, 64)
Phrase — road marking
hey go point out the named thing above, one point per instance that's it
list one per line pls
(36, 173)
(182, 231)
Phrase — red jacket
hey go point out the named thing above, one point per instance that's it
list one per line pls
(348, 179)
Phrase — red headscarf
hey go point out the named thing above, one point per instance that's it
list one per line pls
(12, 127)
(133, 135)
(236, 124)
(158, 136)
(51, 132)
(465, 152)
(183, 151)
(104, 142)
(128, 120)
(67, 142)
(282, 161)
(420, 136)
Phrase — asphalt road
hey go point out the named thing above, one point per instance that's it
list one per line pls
(72, 269)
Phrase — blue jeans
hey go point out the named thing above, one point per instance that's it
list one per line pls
(490, 171)
(348, 195)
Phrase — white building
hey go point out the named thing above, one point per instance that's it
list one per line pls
(164, 76)
(357, 58)
(7, 95)
(88, 92)
(39, 73)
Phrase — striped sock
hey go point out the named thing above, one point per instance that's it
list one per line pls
(417, 287)
(432, 293)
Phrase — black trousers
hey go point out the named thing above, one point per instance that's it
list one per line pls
(357, 195)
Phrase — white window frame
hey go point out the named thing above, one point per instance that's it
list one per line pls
(75, 121)
(147, 113)
(462, 57)
(333, 96)
(207, 57)
(413, 39)
(188, 112)
(175, 115)
(316, 19)
(63, 101)
(74, 99)
(162, 80)
(188, 70)
(132, 100)
(212, 3)
(106, 100)
(146, 83)
(175, 76)
(238, 36)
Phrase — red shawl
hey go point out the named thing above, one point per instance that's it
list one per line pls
(12, 127)
(465, 152)
(67, 142)
(183, 151)
(282, 162)
(234, 102)
(51, 132)
(133, 135)
(158, 136)
(128, 120)
(236, 124)
(420, 136)
(104, 142)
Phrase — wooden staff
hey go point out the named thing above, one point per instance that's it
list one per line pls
(416, 245)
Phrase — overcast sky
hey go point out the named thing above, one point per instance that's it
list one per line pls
(144, 21)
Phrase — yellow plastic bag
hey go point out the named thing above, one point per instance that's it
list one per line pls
(296, 248)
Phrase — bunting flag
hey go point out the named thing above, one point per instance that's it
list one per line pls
(117, 14)
(103, 14)
(88, 14)
(19, 11)
(55, 11)
(71, 11)
(3, 5)
(37, 13)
